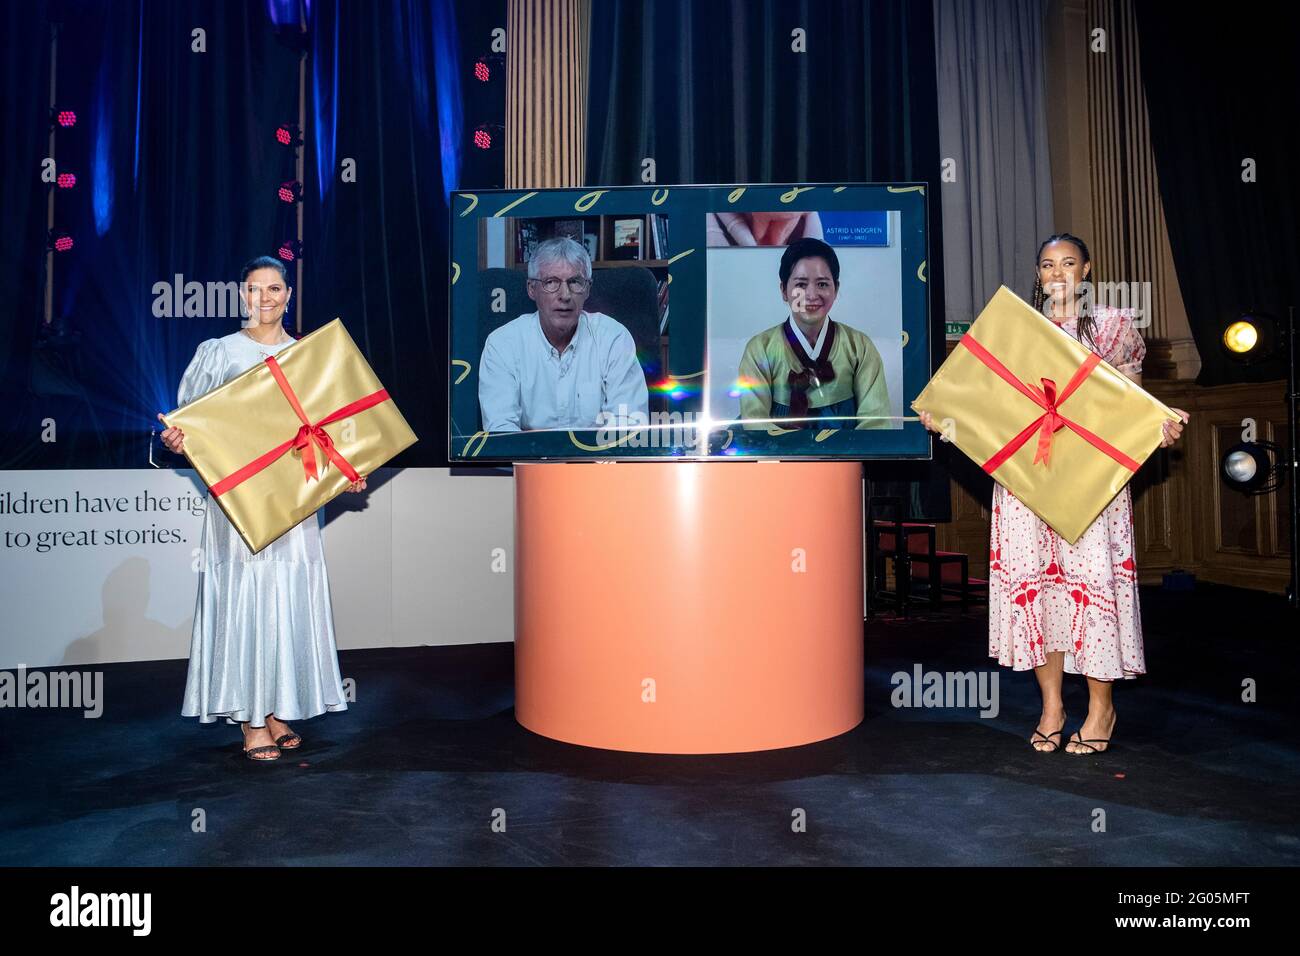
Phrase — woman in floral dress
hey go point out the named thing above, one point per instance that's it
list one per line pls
(1060, 608)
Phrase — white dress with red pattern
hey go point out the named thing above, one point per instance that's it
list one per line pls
(1048, 595)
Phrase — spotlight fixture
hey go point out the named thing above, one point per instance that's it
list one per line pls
(1257, 468)
(1252, 467)
(485, 65)
(1251, 339)
(66, 180)
(290, 192)
(483, 134)
(290, 250)
(58, 240)
(65, 118)
(288, 134)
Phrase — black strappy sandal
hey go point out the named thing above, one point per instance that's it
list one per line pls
(1089, 744)
(1047, 738)
(251, 753)
(294, 744)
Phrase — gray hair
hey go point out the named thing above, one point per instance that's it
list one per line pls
(561, 249)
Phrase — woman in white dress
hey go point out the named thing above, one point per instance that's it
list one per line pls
(262, 650)
(1054, 607)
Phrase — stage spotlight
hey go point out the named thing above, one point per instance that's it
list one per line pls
(65, 118)
(66, 180)
(485, 64)
(483, 137)
(290, 250)
(1252, 338)
(288, 134)
(1251, 467)
(290, 192)
(58, 240)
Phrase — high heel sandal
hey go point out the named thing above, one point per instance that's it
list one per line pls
(1047, 738)
(252, 753)
(1089, 744)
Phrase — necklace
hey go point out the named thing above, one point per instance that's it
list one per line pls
(259, 344)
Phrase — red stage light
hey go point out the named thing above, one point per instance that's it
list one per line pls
(66, 180)
(66, 118)
(290, 192)
(290, 250)
(59, 241)
(288, 134)
(482, 140)
(481, 72)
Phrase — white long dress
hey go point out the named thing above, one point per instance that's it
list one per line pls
(263, 638)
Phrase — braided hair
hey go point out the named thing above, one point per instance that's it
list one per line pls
(1087, 324)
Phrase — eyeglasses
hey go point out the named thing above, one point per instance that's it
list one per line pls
(577, 285)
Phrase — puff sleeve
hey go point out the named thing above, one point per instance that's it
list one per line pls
(1129, 349)
(206, 371)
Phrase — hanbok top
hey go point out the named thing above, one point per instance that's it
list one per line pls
(841, 386)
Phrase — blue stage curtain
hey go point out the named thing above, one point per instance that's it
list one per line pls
(178, 167)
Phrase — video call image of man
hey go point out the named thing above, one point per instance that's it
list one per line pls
(560, 367)
(810, 366)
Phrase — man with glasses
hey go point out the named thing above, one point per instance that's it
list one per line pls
(560, 367)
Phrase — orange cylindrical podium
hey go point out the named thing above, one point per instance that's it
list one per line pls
(688, 607)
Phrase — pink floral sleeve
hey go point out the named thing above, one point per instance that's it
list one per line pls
(1129, 348)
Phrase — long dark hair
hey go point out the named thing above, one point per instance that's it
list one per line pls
(1087, 325)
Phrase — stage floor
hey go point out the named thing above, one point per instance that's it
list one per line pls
(416, 771)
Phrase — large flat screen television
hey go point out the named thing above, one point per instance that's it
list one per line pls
(689, 322)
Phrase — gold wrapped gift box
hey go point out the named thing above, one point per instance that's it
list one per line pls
(278, 441)
(1060, 429)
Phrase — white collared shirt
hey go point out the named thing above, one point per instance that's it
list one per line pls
(813, 351)
(525, 383)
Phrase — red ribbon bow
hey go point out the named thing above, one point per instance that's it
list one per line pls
(308, 435)
(1051, 421)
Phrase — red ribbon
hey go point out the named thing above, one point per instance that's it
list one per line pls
(1051, 421)
(308, 435)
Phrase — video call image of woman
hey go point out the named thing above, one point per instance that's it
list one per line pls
(811, 369)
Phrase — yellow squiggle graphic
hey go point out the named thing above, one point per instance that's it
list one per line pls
(906, 189)
(473, 201)
(462, 374)
(790, 194)
(511, 205)
(726, 444)
(824, 434)
(735, 194)
(656, 199)
(455, 272)
(680, 255)
(906, 338)
(920, 271)
(482, 438)
(776, 430)
(587, 201)
(574, 438)
(682, 378)
(839, 189)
